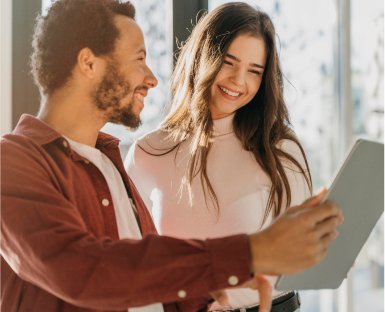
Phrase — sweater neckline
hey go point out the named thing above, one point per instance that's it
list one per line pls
(223, 126)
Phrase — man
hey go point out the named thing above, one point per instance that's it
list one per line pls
(76, 235)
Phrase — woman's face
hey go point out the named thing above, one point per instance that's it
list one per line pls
(240, 76)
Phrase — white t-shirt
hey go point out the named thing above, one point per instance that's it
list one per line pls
(241, 186)
(124, 208)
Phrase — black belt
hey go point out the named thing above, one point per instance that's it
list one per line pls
(286, 303)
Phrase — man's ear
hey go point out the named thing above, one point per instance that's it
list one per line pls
(88, 63)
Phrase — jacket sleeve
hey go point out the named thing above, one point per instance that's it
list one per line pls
(46, 243)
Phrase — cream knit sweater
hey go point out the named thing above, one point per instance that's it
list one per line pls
(242, 188)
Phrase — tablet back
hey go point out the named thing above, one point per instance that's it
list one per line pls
(359, 190)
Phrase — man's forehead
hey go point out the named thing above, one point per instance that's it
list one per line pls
(130, 32)
(127, 25)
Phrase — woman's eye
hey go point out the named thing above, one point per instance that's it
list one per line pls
(227, 63)
(256, 72)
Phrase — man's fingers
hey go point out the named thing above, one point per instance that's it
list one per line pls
(328, 226)
(324, 211)
(265, 290)
(316, 199)
(326, 239)
(310, 202)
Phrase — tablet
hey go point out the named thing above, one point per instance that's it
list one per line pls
(358, 189)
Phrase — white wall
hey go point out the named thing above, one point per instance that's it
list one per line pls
(5, 66)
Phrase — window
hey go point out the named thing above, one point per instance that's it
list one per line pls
(367, 52)
(6, 67)
(309, 39)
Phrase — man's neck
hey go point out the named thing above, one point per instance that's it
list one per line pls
(75, 117)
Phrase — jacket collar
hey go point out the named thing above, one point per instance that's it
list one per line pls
(41, 133)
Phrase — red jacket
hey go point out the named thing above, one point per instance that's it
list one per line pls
(60, 247)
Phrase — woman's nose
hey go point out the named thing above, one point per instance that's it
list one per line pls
(238, 77)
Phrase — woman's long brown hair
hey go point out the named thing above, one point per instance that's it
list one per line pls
(260, 125)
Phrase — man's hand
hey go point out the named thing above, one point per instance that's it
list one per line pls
(258, 282)
(296, 240)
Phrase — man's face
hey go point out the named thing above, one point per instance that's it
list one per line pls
(127, 78)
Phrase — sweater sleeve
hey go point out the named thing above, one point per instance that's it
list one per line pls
(299, 187)
(139, 170)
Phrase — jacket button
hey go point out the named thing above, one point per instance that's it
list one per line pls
(105, 202)
(182, 294)
(233, 280)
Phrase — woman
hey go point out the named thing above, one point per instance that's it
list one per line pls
(225, 160)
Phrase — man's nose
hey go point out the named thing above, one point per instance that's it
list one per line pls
(150, 79)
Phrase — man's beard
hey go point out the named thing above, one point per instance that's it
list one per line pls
(108, 97)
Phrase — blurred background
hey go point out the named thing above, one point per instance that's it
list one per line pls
(332, 55)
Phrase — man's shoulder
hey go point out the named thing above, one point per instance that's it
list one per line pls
(11, 142)
(22, 150)
(19, 155)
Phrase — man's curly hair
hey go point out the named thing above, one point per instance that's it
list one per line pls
(68, 27)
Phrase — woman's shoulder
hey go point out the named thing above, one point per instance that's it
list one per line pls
(294, 149)
(141, 150)
(290, 146)
(156, 141)
(152, 136)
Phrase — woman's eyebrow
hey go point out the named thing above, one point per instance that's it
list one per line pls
(233, 57)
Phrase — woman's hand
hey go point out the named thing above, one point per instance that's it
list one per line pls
(258, 282)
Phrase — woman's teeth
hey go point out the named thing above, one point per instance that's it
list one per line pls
(231, 93)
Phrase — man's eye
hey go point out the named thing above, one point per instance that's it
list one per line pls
(227, 63)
